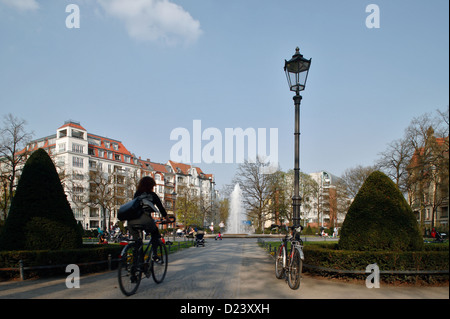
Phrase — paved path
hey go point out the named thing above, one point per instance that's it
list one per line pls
(228, 269)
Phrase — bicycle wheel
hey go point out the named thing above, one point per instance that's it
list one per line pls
(129, 273)
(279, 257)
(295, 270)
(159, 263)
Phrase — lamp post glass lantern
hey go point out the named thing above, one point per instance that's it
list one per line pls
(297, 70)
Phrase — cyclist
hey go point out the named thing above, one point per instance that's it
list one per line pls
(146, 186)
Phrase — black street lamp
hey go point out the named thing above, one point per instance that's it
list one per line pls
(297, 70)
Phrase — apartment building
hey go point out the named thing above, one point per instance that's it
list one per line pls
(428, 176)
(99, 174)
(321, 207)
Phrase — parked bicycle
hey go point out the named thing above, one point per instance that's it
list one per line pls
(289, 260)
(136, 261)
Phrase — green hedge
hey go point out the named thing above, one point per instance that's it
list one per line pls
(87, 254)
(40, 216)
(328, 255)
(433, 257)
(380, 219)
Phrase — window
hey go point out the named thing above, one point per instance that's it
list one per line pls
(117, 157)
(101, 153)
(78, 134)
(107, 145)
(78, 176)
(78, 213)
(60, 160)
(115, 146)
(92, 164)
(110, 154)
(77, 193)
(77, 148)
(62, 133)
(77, 162)
(444, 212)
(93, 212)
(62, 147)
(94, 141)
(91, 151)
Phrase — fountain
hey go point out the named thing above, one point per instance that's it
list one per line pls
(237, 217)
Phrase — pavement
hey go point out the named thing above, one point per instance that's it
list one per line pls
(230, 269)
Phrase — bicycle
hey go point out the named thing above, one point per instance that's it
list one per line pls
(135, 261)
(290, 265)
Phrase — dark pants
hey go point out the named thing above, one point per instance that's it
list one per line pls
(150, 227)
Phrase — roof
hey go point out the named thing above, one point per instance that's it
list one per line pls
(157, 167)
(72, 124)
(179, 168)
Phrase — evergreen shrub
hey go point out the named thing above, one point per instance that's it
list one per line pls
(380, 219)
(40, 216)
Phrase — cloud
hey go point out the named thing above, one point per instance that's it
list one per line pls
(22, 5)
(154, 20)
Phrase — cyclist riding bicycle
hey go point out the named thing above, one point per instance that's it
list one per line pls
(145, 186)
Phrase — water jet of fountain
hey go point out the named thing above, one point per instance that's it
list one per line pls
(237, 217)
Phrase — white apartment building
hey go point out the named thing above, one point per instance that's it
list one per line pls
(322, 207)
(87, 162)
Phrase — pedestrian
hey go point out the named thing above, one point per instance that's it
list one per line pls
(335, 232)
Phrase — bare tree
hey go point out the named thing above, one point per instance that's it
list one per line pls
(256, 190)
(395, 160)
(13, 153)
(352, 179)
(102, 192)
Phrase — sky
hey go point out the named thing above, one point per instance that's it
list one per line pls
(140, 70)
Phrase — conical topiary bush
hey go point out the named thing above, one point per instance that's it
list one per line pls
(40, 216)
(380, 219)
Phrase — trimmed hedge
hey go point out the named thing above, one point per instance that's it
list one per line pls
(328, 255)
(10, 259)
(379, 218)
(433, 257)
(96, 255)
(40, 216)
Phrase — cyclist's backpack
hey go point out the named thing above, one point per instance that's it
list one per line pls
(135, 208)
(130, 210)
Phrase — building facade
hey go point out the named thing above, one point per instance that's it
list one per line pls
(428, 184)
(99, 174)
(320, 208)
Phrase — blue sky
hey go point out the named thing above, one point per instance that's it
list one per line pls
(137, 69)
